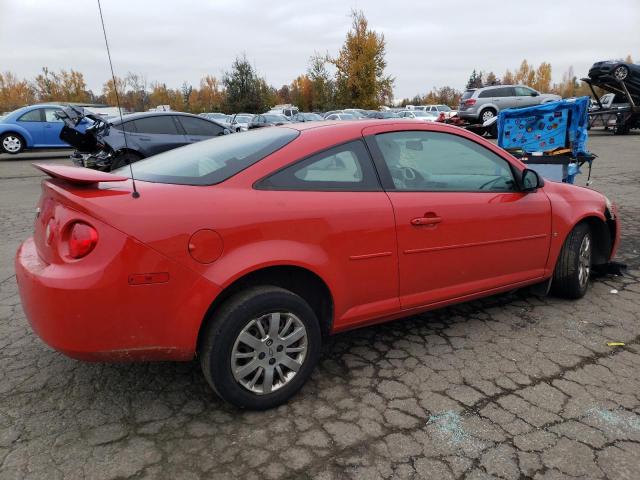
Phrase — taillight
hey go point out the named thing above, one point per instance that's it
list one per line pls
(470, 101)
(82, 238)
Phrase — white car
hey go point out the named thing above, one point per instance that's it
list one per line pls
(418, 115)
(340, 116)
(448, 112)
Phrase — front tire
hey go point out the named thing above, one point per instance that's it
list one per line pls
(12, 143)
(260, 347)
(573, 267)
(621, 72)
(487, 114)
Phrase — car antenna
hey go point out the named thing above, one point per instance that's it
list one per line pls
(135, 193)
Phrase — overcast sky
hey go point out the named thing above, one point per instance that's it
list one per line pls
(430, 43)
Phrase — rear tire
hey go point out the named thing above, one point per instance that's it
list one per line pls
(247, 352)
(573, 267)
(124, 159)
(11, 143)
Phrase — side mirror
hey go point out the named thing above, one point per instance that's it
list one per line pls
(534, 94)
(226, 131)
(530, 181)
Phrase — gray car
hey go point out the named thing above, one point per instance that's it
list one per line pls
(110, 143)
(481, 104)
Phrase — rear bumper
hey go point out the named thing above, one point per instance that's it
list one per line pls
(90, 311)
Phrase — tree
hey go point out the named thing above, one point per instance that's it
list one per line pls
(542, 81)
(14, 93)
(109, 92)
(321, 84)
(492, 79)
(186, 90)
(360, 65)
(136, 96)
(210, 97)
(508, 78)
(475, 80)
(245, 91)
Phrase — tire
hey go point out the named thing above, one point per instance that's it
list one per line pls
(573, 267)
(487, 114)
(620, 73)
(244, 381)
(124, 159)
(12, 143)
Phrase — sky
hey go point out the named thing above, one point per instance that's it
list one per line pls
(430, 43)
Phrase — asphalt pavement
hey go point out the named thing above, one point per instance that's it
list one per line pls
(513, 386)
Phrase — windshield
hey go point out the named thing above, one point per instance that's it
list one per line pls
(443, 108)
(243, 118)
(388, 115)
(211, 161)
(346, 116)
(312, 116)
(419, 113)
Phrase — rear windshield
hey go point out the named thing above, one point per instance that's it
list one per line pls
(467, 94)
(211, 161)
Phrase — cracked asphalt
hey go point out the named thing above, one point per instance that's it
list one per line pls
(513, 386)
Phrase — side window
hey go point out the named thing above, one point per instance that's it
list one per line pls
(50, 116)
(196, 126)
(32, 116)
(523, 91)
(160, 124)
(129, 127)
(433, 162)
(346, 167)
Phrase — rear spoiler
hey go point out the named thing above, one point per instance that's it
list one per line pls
(78, 175)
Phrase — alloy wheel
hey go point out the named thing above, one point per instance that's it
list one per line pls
(487, 115)
(11, 144)
(620, 72)
(584, 261)
(269, 351)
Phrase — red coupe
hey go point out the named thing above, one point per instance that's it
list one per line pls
(247, 250)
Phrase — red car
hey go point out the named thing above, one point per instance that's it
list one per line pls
(247, 250)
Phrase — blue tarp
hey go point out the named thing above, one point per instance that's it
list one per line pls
(543, 128)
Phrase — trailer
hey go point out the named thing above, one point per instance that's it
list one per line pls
(621, 119)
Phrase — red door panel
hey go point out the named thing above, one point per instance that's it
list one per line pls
(451, 244)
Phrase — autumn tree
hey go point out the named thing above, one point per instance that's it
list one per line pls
(508, 78)
(542, 81)
(14, 93)
(302, 93)
(360, 65)
(209, 97)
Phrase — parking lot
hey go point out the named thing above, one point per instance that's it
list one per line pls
(513, 386)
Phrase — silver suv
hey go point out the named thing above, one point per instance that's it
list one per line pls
(482, 104)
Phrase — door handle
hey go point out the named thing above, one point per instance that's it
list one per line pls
(426, 221)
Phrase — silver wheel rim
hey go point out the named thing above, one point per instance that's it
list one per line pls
(584, 261)
(269, 352)
(487, 115)
(11, 143)
(620, 73)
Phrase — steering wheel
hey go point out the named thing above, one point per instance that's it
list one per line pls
(410, 177)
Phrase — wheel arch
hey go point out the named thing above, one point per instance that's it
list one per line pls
(602, 237)
(299, 280)
(20, 132)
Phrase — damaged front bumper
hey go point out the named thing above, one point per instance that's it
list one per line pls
(99, 161)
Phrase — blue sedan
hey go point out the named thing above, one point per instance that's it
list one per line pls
(35, 126)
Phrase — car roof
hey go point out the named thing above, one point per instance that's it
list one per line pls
(136, 116)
